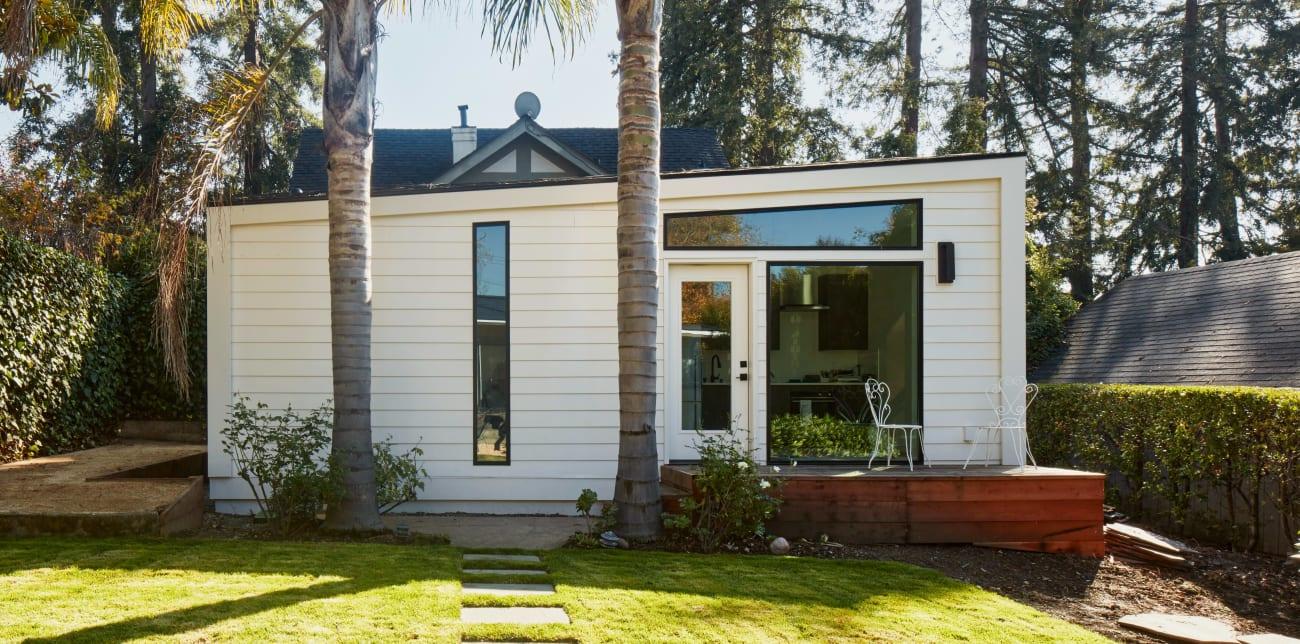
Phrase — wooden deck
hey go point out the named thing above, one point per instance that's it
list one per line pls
(1042, 509)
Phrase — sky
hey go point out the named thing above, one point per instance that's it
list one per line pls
(459, 68)
(430, 63)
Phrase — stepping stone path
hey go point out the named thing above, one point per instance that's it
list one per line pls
(508, 614)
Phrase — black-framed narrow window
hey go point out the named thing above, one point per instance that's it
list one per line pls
(492, 343)
(872, 225)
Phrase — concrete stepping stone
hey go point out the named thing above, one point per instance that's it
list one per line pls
(1181, 628)
(508, 589)
(514, 615)
(1267, 638)
(492, 557)
(501, 571)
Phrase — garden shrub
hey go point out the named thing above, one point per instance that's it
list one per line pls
(62, 350)
(398, 477)
(1167, 448)
(732, 502)
(148, 393)
(284, 458)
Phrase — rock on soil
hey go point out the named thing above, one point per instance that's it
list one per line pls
(1181, 628)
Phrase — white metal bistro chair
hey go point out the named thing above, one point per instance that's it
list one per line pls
(1010, 399)
(878, 401)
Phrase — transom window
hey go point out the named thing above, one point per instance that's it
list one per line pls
(874, 225)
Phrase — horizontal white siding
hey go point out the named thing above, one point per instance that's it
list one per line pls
(564, 345)
(272, 318)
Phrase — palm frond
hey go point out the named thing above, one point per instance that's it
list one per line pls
(236, 95)
(512, 23)
(94, 52)
(166, 26)
(19, 41)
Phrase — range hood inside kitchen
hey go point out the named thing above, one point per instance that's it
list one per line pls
(803, 297)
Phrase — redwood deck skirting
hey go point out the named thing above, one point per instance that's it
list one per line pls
(1043, 509)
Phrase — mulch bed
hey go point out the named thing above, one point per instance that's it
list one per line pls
(228, 526)
(1253, 593)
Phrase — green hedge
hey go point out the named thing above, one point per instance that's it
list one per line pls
(1169, 449)
(149, 393)
(77, 352)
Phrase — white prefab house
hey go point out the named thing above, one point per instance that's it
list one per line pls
(495, 346)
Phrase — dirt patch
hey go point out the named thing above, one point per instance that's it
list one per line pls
(230, 526)
(83, 482)
(1253, 593)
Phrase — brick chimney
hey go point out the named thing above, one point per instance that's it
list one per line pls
(464, 138)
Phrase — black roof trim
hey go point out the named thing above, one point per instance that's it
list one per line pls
(681, 174)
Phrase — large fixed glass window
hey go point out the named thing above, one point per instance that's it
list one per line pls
(878, 225)
(830, 328)
(492, 344)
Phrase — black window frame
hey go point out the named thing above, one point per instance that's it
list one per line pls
(920, 356)
(475, 343)
(920, 227)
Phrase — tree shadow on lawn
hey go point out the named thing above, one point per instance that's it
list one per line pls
(811, 598)
(347, 569)
(355, 568)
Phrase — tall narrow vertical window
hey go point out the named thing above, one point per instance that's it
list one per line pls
(492, 344)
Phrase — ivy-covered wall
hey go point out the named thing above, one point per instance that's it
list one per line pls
(1216, 463)
(77, 352)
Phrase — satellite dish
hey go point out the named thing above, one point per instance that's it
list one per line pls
(528, 105)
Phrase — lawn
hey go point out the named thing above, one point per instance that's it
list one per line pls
(200, 590)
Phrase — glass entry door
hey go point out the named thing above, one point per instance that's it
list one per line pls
(708, 354)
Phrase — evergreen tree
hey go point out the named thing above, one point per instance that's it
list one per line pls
(740, 67)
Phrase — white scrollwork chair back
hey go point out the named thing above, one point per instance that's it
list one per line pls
(878, 401)
(1010, 399)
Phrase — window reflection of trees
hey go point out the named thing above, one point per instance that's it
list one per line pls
(874, 225)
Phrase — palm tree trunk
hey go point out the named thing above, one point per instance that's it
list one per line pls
(912, 76)
(350, 63)
(1189, 177)
(636, 490)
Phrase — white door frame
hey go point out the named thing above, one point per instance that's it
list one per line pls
(677, 442)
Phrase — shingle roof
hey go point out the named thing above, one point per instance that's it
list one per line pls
(414, 157)
(1234, 323)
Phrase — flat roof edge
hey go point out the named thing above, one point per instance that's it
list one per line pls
(666, 176)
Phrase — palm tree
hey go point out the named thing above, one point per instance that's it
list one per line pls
(350, 34)
(636, 490)
(31, 32)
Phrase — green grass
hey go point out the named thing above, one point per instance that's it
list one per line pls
(189, 590)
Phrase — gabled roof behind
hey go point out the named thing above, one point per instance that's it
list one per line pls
(1234, 323)
(418, 157)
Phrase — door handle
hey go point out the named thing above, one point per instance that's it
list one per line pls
(742, 377)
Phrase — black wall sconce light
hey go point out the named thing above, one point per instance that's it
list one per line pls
(947, 263)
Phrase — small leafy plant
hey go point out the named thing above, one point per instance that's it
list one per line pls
(284, 457)
(732, 501)
(586, 505)
(398, 478)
